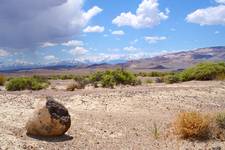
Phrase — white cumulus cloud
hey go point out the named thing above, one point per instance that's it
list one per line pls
(130, 49)
(220, 1)
(208, 16)
(91, 29)
(92, 12)
(147, 15)
(118, 32)
(50, 58)
(73, 43)
(154, 39)
(48, 44)
(78, 51)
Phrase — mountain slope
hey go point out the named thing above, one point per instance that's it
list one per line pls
(178, 60)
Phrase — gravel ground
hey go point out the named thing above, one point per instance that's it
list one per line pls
(120, 118)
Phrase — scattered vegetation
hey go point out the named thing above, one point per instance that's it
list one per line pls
(192, 125)
(112, 78)
(27, 83)
(202, 72)
(2, 80)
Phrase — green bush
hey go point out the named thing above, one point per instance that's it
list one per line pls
(2, 80)
(110, 78)
(203, 71)
(169, 79)
(26, 83)
(108, 81)
(96, 77)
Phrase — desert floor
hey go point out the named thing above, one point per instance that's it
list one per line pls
(120, 118)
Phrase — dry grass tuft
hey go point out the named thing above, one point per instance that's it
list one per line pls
(192, 125)
(218, 126)
(155, 131)
(73, 86)
(220, 120)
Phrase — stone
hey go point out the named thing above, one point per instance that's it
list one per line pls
(49, 119)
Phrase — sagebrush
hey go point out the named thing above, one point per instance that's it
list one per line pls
(111, 78)
(27, 83)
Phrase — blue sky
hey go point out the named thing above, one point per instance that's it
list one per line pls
(50, 31)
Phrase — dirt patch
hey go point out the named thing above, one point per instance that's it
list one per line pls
(121, 118)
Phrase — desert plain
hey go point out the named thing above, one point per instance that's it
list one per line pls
(123, 118)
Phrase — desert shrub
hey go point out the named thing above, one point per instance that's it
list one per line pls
(2, 79)
(159, 80)
(203, 71)
(82, 83)
(220, 120)
(149, 81)
(96, 78)
(218, 126)
(192, 125)
(26, 83)
(169, 79)
(153, 74)
(73, 86)
(124, 77)
(108, 81)
(66, 77)
(110, 78)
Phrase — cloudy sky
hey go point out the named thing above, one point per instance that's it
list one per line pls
(49, 31)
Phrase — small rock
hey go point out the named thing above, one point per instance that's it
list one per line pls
(51, 119)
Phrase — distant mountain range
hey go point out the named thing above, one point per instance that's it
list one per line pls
(166, 62)
(178, 60)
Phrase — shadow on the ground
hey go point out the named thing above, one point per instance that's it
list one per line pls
(62, 138)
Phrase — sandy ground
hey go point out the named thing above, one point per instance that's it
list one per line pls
(120, 118)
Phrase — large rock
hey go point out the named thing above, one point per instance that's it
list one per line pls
(50, 119)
